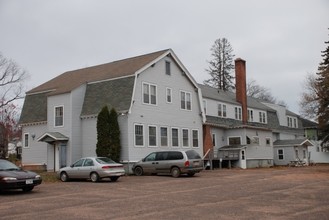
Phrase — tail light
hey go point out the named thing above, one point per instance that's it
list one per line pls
(187, 163)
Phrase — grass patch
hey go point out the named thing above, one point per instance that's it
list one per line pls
(49, 177)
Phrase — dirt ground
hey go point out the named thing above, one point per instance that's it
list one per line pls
(274, 193)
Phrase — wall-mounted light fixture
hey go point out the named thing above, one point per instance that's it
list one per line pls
(33, 136)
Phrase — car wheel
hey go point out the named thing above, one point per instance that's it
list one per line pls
(175, 172)
(94, 177)
(114, 178)
(28, 188)
(190, 174)
(64, 177)
(138, 171)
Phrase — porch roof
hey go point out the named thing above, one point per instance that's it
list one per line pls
(292, 142)
(51, 137)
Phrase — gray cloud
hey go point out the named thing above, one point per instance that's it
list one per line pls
(280, 40)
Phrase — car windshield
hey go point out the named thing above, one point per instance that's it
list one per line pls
(191, 154)
(6, 165)
(104, 160)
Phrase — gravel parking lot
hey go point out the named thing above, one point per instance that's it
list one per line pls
(275, 193)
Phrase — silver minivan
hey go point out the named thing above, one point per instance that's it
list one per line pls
(170, 162)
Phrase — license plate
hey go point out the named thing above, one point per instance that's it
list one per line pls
(196, 163)
(29, 181)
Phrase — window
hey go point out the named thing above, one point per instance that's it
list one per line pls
(164, 136)
(304, 154)
(185, 137)
(292, 122)
(250, 115)
(168, 95)
(255, 140)
(222, 110)
(59, 117)
(268, 141)
(26, 140)
(213, 139)
(205, 106)
(139, 135)
(280, 154)
(152, 136)
(168, 72)
(149, 94)
(174, 137)
(262, 117)
(234, 141)
(185, 100)
(195, 134)
(238, 113)
(88, 163)
(151, 157)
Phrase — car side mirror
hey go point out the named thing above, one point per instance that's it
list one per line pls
(72, 166)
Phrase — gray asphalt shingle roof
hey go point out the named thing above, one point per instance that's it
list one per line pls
(114, 87)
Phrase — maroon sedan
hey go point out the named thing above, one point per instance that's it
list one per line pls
(13, 177)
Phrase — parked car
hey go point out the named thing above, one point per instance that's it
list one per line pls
(94, 168)
(13, 177)
(170, 162)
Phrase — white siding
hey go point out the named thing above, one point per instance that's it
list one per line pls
(36, 153)
(164, 113)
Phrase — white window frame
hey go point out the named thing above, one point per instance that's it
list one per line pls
(171, 134)
(55, 108)
(143, 135)
(238, 113)
(213, 139)
(162, 137)
(193, 139)
(221, 110)
(26, 143)
(250, 115)
(149, 85)
(204, 106)
(280, 149)
(228, 139)
(168, 95)
(184, 94)
(156, 136)
(168, 67)
(184, 138)
(268, 139)
(262, 117)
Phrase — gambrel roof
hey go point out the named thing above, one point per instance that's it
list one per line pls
(70, 80)
(109, 84)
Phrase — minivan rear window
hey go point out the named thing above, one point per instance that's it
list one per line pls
(175, 155)
(191, 154)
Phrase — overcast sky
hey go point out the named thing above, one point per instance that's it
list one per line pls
(281, 40)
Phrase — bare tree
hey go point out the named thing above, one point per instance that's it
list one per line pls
(309, 101)
(259, 92)
(12, 79)
(221, 66)
(262, 93)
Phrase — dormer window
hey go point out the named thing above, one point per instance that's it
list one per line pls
(292, 122)
(262, 117)
(238, 113)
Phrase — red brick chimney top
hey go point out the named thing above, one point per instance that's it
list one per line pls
(241, 86)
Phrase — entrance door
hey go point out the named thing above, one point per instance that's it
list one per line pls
(62, 155)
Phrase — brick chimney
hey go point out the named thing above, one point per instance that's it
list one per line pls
(241, 87)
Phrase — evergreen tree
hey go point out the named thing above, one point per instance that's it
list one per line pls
(115, 147)
(221, 66)
(103, 133)
(323, 96)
